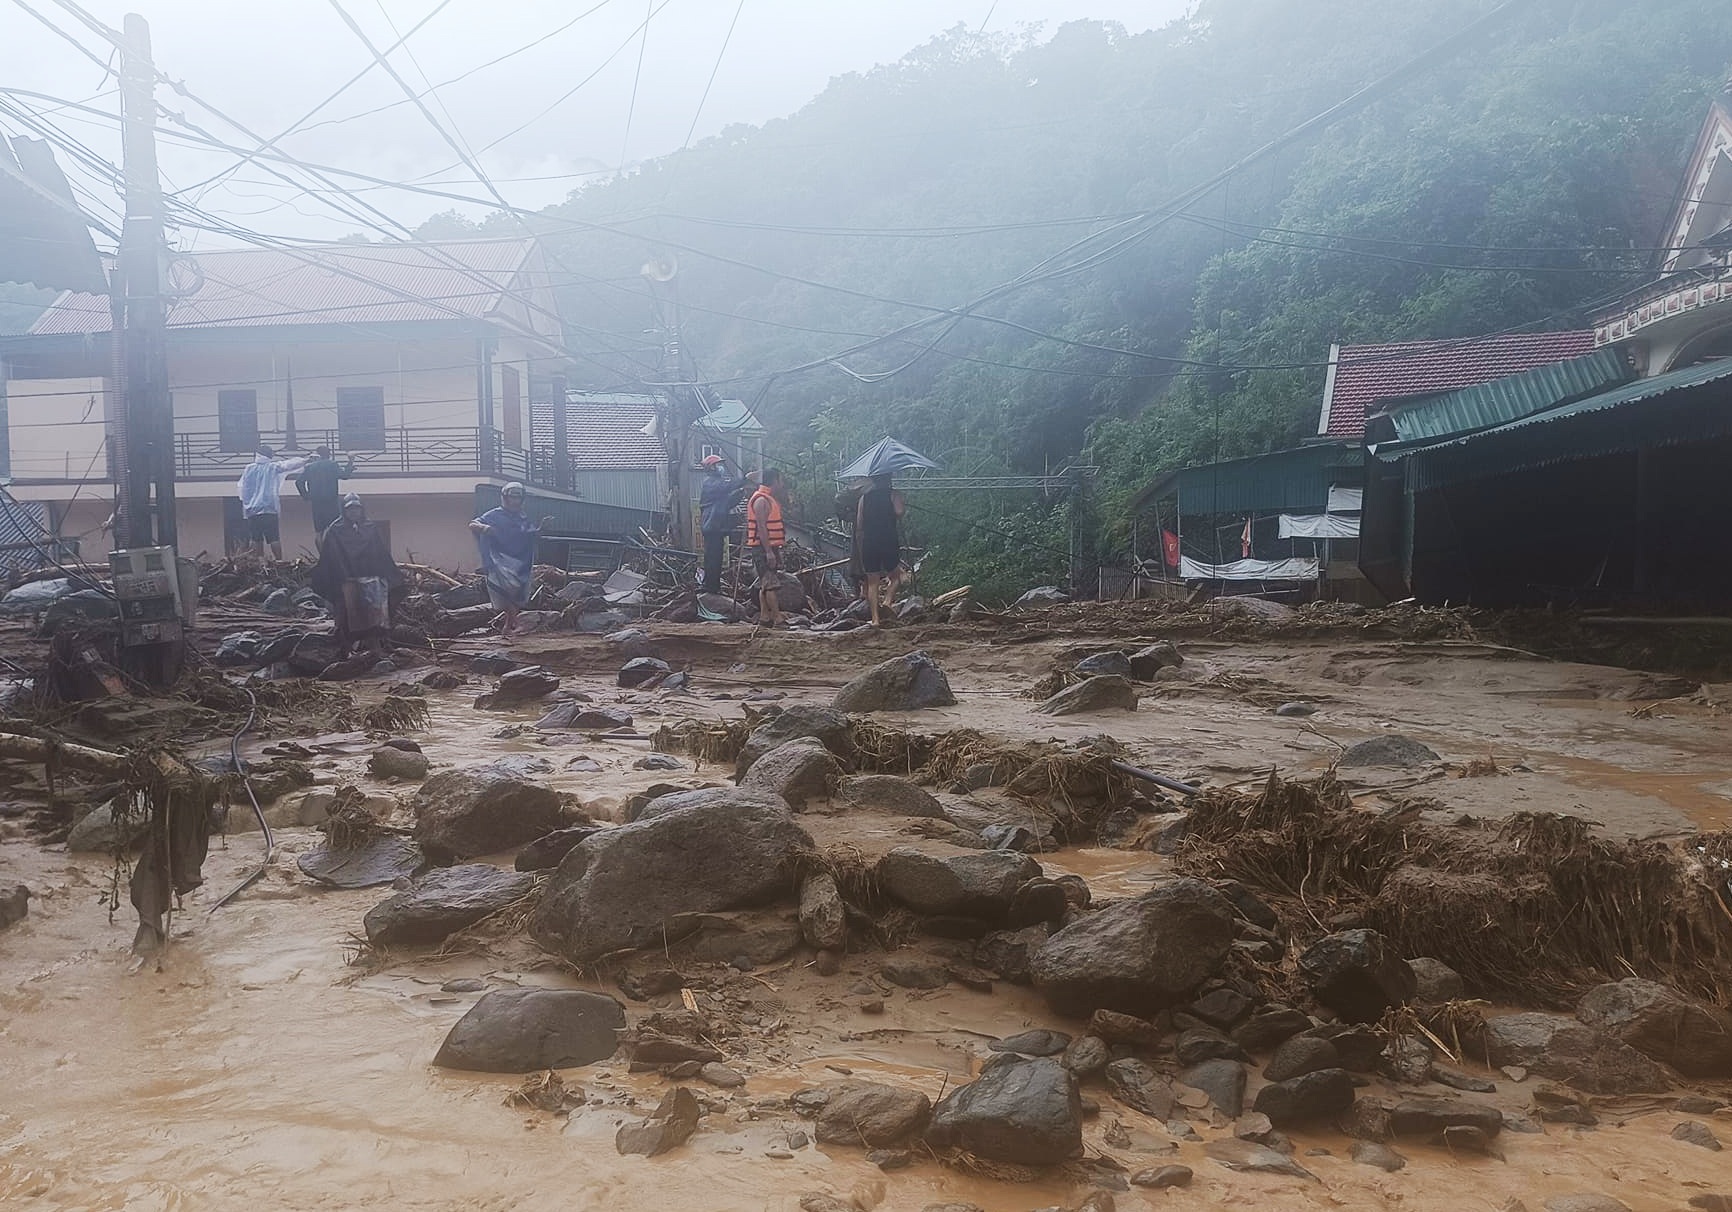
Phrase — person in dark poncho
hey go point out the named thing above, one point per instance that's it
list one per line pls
(318, 483)
(358, 577)
(507, 537)
(878, 525)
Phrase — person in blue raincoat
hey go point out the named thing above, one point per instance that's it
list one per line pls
(507, 537)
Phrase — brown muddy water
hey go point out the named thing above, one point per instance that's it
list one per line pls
(253, 1067)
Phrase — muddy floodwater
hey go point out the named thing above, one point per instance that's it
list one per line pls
(253, 1066)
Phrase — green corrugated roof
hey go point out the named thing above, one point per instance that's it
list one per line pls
(1486, 405)
(1296, 479)
(1665, 410)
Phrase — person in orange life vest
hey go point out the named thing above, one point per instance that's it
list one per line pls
(765, 537)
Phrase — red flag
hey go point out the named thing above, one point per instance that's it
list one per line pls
(1170, 548)
(1245, 541)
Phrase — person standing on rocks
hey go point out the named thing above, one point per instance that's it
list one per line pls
(878, 522)
(261, 491)
(318, 484)
(507, 537)
(766, 535)
(358, 577)
(716, 501)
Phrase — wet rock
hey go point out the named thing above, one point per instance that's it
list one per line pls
(1023, 1111)
(581, 717)
(1712, 1203)
(629, 642)
(666, 799)
(1039, 1042)
(1270, 1027)
(1695, 1132)
(527, 1030)
(1464, 1138)
(1010, 953)
(1008, 837)
(619, 888)
(1040, 901)
(1406, 1059)
(1369, 1153)
(658, 761)
(1250, 1157)
(479, 810)
(1138, 954)
(1146, 662)
(915, 972)
(393, 762)
(1443, 1075)
(1360, 1047)
(911, 682)
(1435, 982)
(1304, 1099)
(1221, 1008)
(1428, 1117)
(384, 860)
(97, 831)
(1562, 1048)
(799, 771)
(1398, 751)
(1138, 1085)
(935, 878)
(1222, 1080)
(525, 685)
(1662, 1024)
(871, 1115)
(641, 671)
(670, 1125)
(1301, 1055)
(1695, 1104)
(744, 938)
(1175, 827)
(887, 794)
(829, 727)
(1585, 1203)
(823, 916)
(1043, 595)
(1103, 693)
(1117, 1028)
(442, 902)
(1117, 664)
(1296, 710)
(14, 904)
(1087, 1055)
(1195, 1045)
(493, 663)
(545, 852)
(721, 1076)
(1159, 1178)
(1357, 974)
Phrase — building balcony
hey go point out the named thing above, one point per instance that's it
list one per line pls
(406, 451)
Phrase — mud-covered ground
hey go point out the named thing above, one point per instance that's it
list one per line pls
(257, 1064)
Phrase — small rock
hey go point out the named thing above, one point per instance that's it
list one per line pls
(1695, 1104)
(1301, 1055)
(641, 670)
(1148, 661)
(463, 984)
(1435, 982)
(1466, 1138)
(1222, 1080)
(891, 1159)
(911, 682)
(524, 685)
(1369, 1153)
(1116, 1028)
(1406, 1059)
(1270, 1027)
(1456, 1079)
(873, 1006)
(1357, 974)
(1086, 1056)
(546, 852)
(442, 902)
(1139, 1086)
(527, 1030)
(1253, 1158)
(392, 762)
(1028, 1112)
(1039, 1042)
(1115, 663)
(1158, 1178)
(871, 1115)
(1695, 1132)
(669, 1126)
(1254, 1126)
(14, 904)
(1296, 710)
(1200, 1044)
(658, 761)
(721, 1076)
(1222, 1008)
(1397, 751)
(915, 972)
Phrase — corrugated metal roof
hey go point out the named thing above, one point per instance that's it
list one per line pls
(321, 284)
(604, 431)
(1368, 375)
(1487, 404)
(732, 418)
(1666, 410)
(1296, 479)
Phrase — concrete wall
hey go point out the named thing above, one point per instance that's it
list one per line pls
(55, 428)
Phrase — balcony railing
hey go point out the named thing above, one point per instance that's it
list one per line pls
(419, 450)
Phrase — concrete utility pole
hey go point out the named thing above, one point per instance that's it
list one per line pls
(562, 478)
(147, 419)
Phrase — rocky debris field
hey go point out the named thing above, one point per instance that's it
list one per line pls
(971, 923)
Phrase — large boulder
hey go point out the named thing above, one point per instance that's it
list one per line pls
(1357, 974)
(442, 902)
(888, 794)
(829, 727)
(1138, 955)
(1319, 1095)
(702, 797)
(871, 1115)
(618, 889)
(546, 851)
(799, 771)
(1111, 662)
(527, 1030)
(943, 880)
(1663, 1024)
(1148, 661)
(1019, 1110)
(1010, 953)
(525, 685)
(1554, 1046)
(478, 810)
(906, 683)
(582, 717)
(1105, 692)
(395, 761)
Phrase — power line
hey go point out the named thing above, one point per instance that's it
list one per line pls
(710, 83)
(631, 107)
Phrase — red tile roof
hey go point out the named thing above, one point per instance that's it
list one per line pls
(1366, 376)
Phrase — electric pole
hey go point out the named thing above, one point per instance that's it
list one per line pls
(147, 420)
(562, 478)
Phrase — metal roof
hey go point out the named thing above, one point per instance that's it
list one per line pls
(1666, 410)
(605, 431)
(1282, 480)
(319, 284)
(1365, 376)
(1485, 405)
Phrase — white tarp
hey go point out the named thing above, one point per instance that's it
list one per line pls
(1319, 526)
(1249, 570)
(1345, 500)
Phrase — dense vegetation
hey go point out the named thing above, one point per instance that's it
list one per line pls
(1510, 186)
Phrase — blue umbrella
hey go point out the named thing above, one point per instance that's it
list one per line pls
(886, 457)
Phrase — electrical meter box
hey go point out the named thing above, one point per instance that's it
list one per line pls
(147, 583)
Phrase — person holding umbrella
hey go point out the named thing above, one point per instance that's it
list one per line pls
(878, 523)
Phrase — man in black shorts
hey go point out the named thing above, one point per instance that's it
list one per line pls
(318, 484)
(261, 492)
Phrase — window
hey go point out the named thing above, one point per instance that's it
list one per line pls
(708, 449)
(513, 406)
(238, 421)
(361, 418)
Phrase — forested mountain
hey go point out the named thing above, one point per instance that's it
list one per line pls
(1511, 185)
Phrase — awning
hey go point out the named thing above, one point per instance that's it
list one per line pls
(1485, 405)
(1293, 480)
(1248, 570)
(1320, 526)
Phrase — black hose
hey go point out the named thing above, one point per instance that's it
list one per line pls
(246, 782)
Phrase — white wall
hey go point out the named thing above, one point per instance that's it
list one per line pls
(56, 429)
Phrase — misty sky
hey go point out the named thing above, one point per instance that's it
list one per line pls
(267, 62)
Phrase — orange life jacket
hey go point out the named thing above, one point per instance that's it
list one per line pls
(773, 523)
